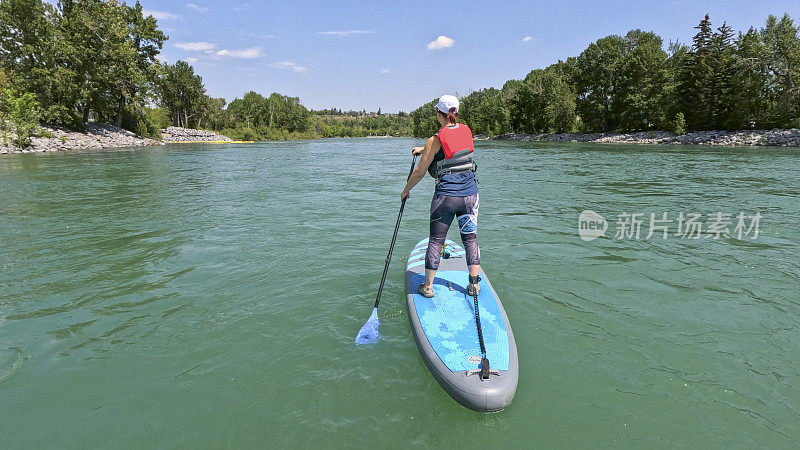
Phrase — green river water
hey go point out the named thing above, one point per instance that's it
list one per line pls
(209, 295)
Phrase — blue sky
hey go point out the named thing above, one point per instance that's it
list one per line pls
(389, 55)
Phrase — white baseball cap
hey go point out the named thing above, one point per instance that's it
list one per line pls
(446, 102)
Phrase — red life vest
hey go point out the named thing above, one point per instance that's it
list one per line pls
(458, 148)
(455, 139)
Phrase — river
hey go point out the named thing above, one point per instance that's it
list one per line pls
(208, 296)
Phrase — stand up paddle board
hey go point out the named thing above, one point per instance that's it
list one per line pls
(447, 337)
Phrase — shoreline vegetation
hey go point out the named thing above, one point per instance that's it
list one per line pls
(77, 64)
(106, 136)
(90, 72)
(623, 84)
(750, 138)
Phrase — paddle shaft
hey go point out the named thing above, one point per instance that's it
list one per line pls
(394, 236)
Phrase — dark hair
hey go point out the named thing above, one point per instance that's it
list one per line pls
(451, 116)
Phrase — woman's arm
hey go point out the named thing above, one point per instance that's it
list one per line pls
(431, 147)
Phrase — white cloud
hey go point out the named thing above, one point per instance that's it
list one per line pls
(190, 60)
(246, 53)
(200, 46)
(159, 15)
(344, 33)
(161, 58)
(290, 65)
(441, 42)
(197, 7)
(527, 38)
(385, 71)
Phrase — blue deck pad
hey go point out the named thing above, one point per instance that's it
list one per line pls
(422, 247)
(448, 321)
(417, 256)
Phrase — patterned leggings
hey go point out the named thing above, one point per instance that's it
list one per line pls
(443, 209)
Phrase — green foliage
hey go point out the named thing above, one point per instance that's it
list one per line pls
(256, 112)
(145, 122)
(212, 113)
(485, 113)
(159, 117)
(146, 40)
(360, 126)
(598, 75)
(320, 126)
(181, 92)
(630, 83)
(722, 92)
(23, 113)
(549, 99)
(679, 124)
(782, 61)
(695, 77)
(46, 134)
(93, 58)
(644, 74)
(79, 56)
(262, 133)
(424, 121)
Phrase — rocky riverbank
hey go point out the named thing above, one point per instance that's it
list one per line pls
(777, 138)
(97, 136)
(177, 134)
(100, 136)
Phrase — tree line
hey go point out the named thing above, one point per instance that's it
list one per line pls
(76, 58)
(98, 60)
(255, 117)
(78, 61)
(633, 83)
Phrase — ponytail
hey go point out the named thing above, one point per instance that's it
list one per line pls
(452, 116)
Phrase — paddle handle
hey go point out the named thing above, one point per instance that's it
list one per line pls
(394, 236)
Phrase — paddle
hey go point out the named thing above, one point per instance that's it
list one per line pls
(369, 332)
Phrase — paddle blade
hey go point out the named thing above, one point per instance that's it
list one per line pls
(368, 334)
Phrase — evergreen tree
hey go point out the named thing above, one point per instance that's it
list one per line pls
(721, 93)
(751, 104)
(671, 105)
(695, 78)
(782, 59)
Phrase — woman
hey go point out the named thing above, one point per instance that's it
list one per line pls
(447, 156)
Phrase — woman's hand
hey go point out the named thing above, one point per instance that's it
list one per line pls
(404, 195)
(417, 150)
